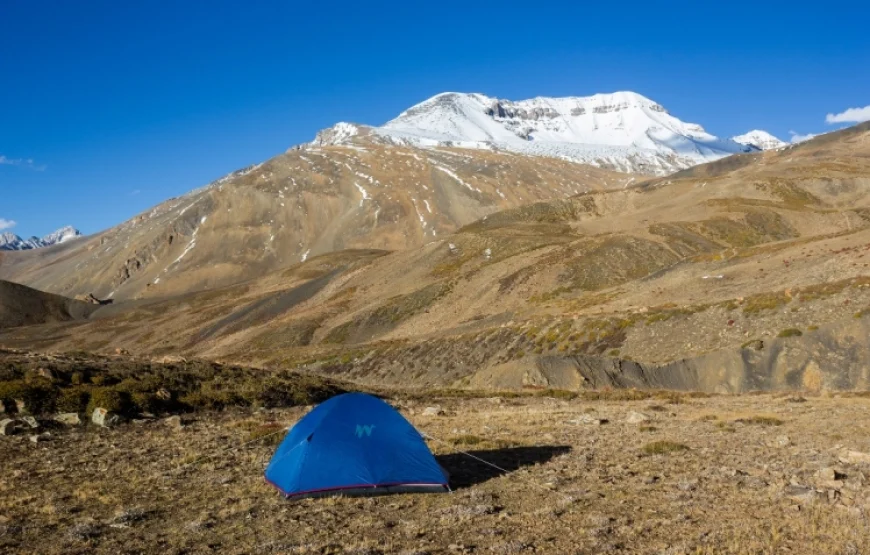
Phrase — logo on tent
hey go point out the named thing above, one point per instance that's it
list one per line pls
(364, 430)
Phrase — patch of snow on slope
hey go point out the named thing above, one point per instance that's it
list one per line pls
(363, 192)
(455, 177)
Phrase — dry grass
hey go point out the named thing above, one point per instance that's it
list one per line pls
(571, 487)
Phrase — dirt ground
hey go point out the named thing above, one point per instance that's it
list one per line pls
(712, 475)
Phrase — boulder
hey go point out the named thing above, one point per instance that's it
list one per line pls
(174, 422)
(9, 427)
(854, 457)
(68, 418)
(801, 494)
(433, 411)
(829, 474)
(105, 418)
(635, 417)
(588, 419)
(30, 422)
(91, 299)
(40, 438)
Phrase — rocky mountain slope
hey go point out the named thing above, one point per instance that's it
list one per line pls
(12, 242)
(762, 140)
(623, 131)
(749, 272)
(298, 205)
(23, 306)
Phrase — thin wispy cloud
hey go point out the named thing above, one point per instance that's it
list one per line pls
(852, 115)
(135, 192)
(27, 163)
(6, 224)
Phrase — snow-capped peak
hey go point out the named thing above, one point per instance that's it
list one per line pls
(12, 242)
(339, 133)
(759, 139)
(61, 235)
(622, 130)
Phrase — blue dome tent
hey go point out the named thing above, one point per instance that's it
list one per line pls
(354, 444)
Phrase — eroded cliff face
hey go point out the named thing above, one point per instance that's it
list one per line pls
(832, 358)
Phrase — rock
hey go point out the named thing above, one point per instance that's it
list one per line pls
(174, 422)
(433, 411)
(487, 254)
(795, 399)
(30, 421)
(9, 427)
(801, 494)
(782, 441)
(120, 351)
(635, 417)
(90, 298)
(68, 418)
(588, 419)
(40, 438)
(20, 406)
(46, 373)
(104, 418)
(688, 485)
(755, 344)
(164, 394)
(854, 457)
(829, 474)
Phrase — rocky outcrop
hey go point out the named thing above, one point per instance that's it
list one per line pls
(832, 358)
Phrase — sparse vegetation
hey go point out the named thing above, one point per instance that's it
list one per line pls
(761, 420)
(664, 447)
(790, 332)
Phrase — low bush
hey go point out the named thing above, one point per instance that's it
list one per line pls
(664, 447)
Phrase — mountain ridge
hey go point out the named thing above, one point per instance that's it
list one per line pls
(623, 131)
(12, 242)
(761, 140)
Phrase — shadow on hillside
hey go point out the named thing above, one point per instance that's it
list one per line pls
(466, 471)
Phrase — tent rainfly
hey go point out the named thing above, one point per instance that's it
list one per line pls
(354, 444)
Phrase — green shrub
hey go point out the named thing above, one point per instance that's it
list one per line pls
(663, 447)
(468, 439)
(73, 399)
(110, 399)
(790, 332)
(39, 396)
(762, 420)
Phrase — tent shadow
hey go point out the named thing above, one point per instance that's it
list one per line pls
(465, 471)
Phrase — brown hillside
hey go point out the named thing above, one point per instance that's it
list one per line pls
(725, 279)
(298, 205)
(23, 306)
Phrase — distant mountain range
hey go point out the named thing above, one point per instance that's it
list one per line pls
(439, 166)
(622, 131)
(12, 242)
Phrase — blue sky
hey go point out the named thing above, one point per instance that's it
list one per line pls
(107, 107)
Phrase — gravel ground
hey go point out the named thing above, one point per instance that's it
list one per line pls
(668, 475)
